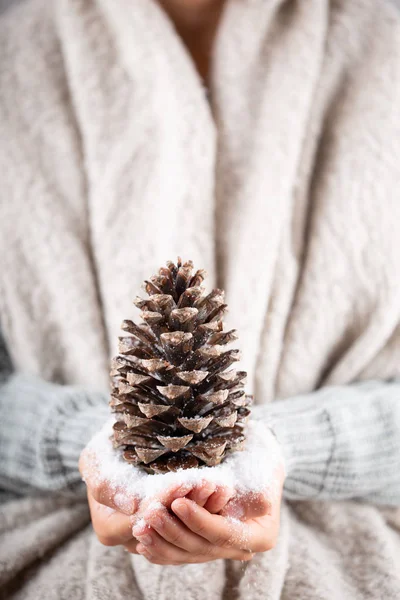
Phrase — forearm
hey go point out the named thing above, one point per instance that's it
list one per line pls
(340, 442)
(44, 427)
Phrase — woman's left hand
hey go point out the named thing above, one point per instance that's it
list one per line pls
(192, 534)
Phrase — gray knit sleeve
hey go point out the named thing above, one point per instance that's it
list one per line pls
(44, 427)
(340, 442)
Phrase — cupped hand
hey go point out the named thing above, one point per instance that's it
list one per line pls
(113, 512)
(192, 534)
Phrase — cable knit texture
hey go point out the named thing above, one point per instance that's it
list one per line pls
(284, 187)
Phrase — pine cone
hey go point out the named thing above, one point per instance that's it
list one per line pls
(175, 403)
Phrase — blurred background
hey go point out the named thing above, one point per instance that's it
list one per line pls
(4, 4)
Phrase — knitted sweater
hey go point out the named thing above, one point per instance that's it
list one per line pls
(283, 187)
(339, 442)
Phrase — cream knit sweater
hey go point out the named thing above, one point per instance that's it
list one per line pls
(285, 187)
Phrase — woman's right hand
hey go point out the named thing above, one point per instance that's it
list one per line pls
(110, 509)
(113, 513)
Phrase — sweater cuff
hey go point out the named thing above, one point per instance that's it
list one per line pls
(77, 426)
(307, 438)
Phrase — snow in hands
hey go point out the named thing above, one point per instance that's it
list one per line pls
(253, 470)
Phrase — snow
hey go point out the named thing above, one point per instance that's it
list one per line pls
(250, 470)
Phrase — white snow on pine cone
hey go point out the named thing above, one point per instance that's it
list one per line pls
(252, 469)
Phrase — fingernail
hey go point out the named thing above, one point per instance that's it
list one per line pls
(146, 540)
(123, 503)
(181, 509)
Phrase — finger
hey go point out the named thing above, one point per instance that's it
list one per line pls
(216, 529)
(166, 497)
(202, 492)
(111, 527)
(142, 550)
(103, 493)
(162, 499)
(101, 490)
(157, 560)
(249, 506)
(153, 544)
(173, 531)
(159, 551)
(219, 498)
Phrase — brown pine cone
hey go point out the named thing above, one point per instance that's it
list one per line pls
(176, 404)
